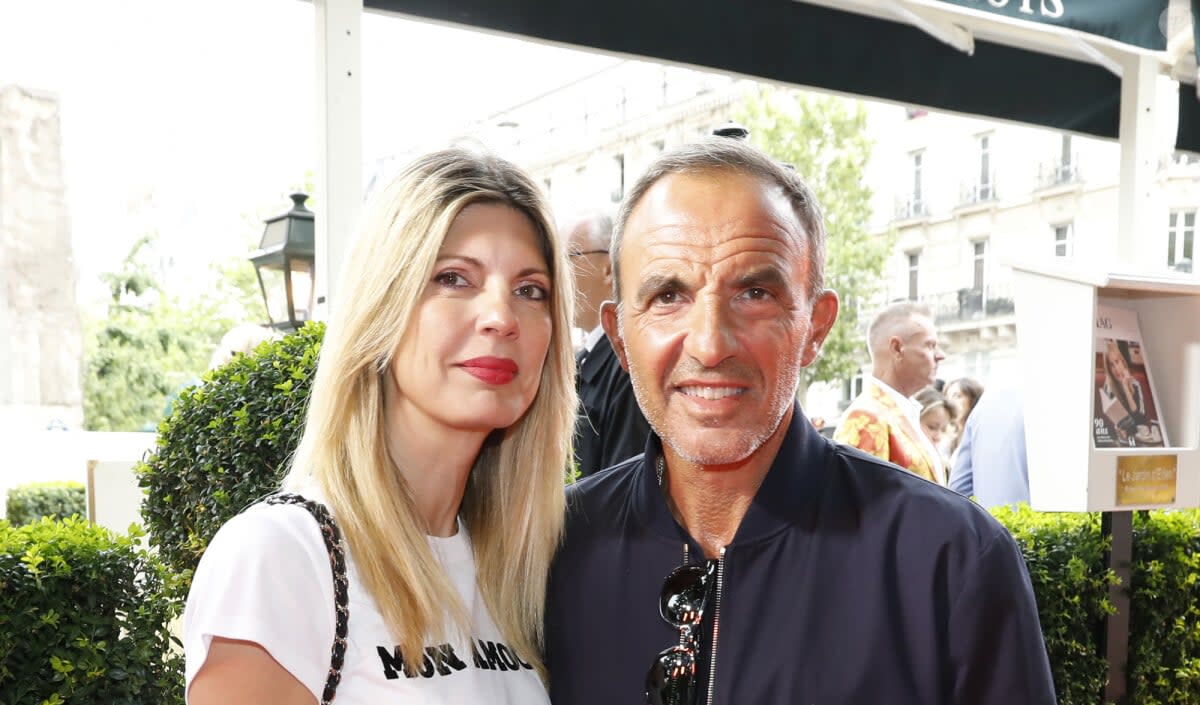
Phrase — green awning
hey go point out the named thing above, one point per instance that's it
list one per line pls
(1136, 22)
(815, 46)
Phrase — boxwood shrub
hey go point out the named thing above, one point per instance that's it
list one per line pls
(30, 502)
(83, 618)
(1065, 556)
(226, 444)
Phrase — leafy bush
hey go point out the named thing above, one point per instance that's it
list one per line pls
(1164, 644)
(226, 444)
(1065, 556)
(83, 618)
(30, 502)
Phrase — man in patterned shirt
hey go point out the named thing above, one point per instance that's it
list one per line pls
(883, 420)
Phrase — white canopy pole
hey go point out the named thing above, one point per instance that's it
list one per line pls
(1141, 226)
(339, 174)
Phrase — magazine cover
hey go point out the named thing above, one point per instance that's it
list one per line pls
(1124, 410)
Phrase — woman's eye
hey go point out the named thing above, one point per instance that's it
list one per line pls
(451, 279)
(533, 292)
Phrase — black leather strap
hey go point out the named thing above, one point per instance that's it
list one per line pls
(337, 564)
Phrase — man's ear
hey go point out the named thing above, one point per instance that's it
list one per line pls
(608, 319)
(824, 314)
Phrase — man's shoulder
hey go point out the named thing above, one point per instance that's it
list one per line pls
(613, 484)
(886, 492)
(861, 417)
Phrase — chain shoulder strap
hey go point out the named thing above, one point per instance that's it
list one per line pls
(337, 564)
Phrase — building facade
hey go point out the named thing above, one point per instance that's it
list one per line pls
(963, 198)
(968, 198)
(41, 337)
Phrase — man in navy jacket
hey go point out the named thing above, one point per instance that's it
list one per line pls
(819, 574)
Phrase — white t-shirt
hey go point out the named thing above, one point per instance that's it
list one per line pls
(265, 578)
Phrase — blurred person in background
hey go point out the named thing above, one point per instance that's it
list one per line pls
(610, 427)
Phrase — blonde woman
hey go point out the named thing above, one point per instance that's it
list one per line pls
(437, 436)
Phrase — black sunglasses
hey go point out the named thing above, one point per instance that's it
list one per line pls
(671, 679)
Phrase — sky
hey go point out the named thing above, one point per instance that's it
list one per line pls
(196, 119)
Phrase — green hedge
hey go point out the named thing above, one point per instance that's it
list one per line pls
(83, 618)
(30, 502)
(226, 444)
(1065, 557)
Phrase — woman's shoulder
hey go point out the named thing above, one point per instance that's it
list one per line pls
(281, 531)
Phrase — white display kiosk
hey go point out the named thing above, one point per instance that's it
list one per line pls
(1056, 341)
(1057, 334)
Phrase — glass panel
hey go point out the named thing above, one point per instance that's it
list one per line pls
(272, 283)
(302, 290)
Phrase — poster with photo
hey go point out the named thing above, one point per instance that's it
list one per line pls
(1124, 409)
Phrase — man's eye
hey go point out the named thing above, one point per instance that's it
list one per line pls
(757, 293)
(666, 297)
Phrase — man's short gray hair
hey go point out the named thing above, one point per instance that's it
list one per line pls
(599, 225)
(890, 320)
(722, 154)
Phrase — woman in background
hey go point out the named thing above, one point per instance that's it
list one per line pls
(963, 394)
(937, 415)
(437, 437)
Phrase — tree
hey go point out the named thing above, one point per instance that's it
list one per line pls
(824, 138)
(152, 344)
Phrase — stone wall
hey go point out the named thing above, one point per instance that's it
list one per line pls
(41, 337)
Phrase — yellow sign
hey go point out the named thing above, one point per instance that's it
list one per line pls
(1145, 479)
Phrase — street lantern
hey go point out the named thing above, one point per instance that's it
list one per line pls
(285, 263)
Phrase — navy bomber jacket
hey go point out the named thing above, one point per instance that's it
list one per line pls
(850, 581)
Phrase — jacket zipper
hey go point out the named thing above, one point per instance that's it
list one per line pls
(712, 669)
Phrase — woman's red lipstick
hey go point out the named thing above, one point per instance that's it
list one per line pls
(493, 370)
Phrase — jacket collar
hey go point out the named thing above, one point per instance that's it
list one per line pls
(594, 362)
(788, 495)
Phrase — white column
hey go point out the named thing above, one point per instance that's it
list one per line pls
(339, 176)
(1140, 245)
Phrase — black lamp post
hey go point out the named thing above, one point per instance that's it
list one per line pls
(285, 263)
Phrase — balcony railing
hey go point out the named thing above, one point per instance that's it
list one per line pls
(978, 191)
(911, 208)
(970, 304)
(1058, 173)
(959, 306)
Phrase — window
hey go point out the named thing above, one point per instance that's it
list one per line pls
(1181, 235)
(1066, 163)
(985, 167)
(1062, 240)
(619, 192)
(914, 262)
(917, 159)
(979, 264)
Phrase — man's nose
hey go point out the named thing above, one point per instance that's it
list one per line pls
(710, 336)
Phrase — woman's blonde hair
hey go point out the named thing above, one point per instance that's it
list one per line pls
(514, 499)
